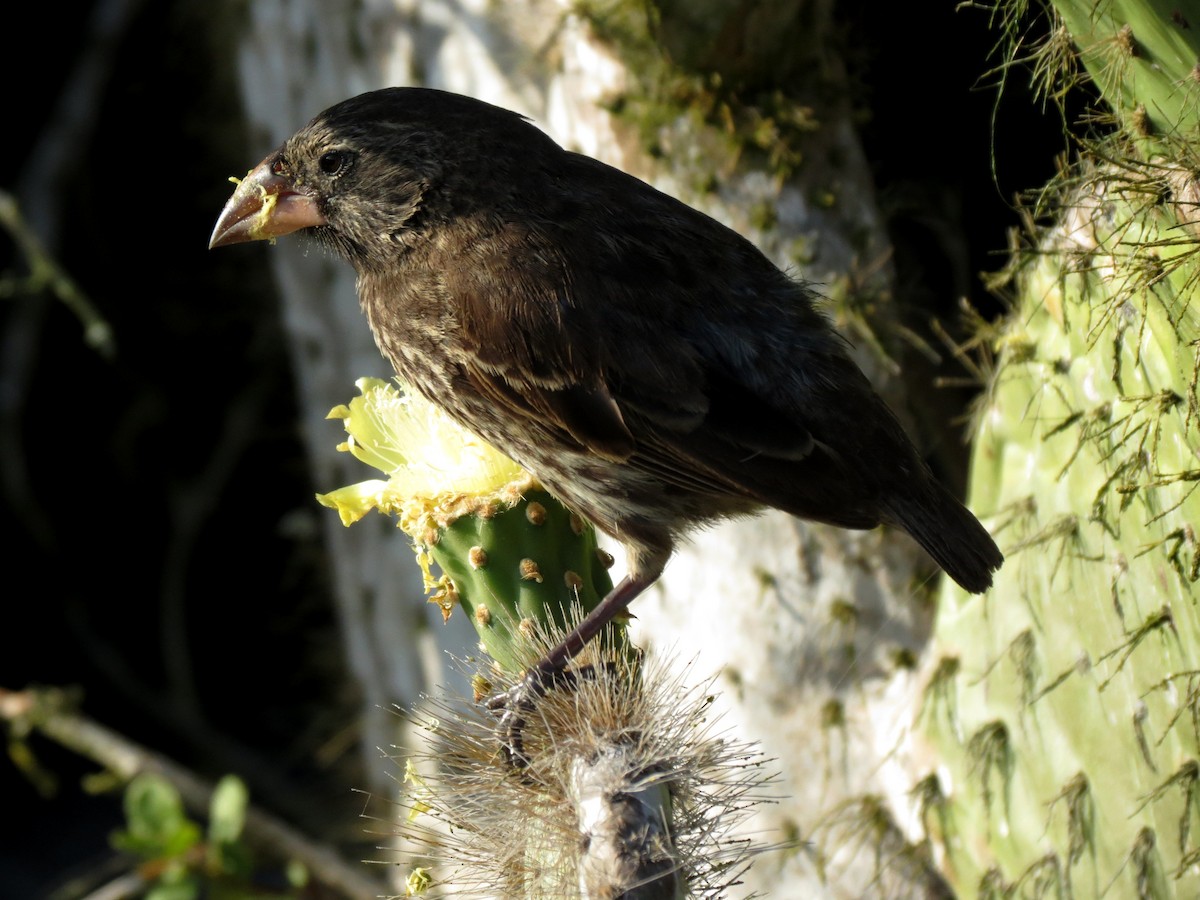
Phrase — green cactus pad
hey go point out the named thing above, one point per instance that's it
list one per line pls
(519, 573)
(1065, 703)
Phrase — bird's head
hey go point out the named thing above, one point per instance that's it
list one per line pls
(365, 176)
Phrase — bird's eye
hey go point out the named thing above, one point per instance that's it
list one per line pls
(278, 168)
(334, 162)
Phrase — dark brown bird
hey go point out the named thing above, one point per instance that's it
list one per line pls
(650, 366)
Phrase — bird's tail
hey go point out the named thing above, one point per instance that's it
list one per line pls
(949, 533)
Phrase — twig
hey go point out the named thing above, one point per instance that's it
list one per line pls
(41, 181)
(46, 274)
(44, 711)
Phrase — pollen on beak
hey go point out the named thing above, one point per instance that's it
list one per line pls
(264, 206)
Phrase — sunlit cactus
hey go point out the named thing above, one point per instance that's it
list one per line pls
(629, 791)
(1063, 707)
(1142, 57)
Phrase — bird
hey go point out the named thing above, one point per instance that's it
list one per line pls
(651, 367)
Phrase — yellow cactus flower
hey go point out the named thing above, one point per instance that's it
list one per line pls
(437, 471)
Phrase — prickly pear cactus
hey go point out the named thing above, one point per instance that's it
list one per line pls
(523, 567)
(517, 561)
(1064, 706)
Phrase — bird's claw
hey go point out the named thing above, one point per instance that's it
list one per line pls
(514, 705)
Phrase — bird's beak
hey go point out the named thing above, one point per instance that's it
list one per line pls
(265, 205)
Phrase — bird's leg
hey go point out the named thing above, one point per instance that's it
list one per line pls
(551, 670)
(613, 604)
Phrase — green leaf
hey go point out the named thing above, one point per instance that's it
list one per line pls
(156, 824)
(227, 810)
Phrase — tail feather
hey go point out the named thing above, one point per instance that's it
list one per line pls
(949, 533)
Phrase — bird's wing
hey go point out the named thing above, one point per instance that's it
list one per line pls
(524, 349)
(606, 341)
(611, 315)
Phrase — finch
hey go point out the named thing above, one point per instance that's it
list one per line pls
(651, 367)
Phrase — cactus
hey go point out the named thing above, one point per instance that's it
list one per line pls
(629, 791)
(512, 556)
(1064, 706)
(610, 783)
(526, 566)
(1141, 56)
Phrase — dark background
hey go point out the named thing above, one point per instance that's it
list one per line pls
(160, 533)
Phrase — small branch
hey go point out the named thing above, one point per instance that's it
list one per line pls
(46, 274)
(44, 710)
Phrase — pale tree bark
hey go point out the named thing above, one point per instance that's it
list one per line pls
(812, 628)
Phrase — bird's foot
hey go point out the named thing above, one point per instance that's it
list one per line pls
(514, 706)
